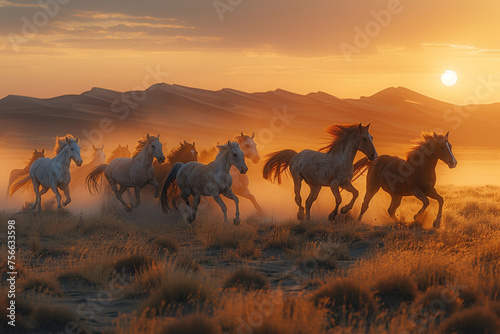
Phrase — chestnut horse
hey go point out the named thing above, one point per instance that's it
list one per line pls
(415, 176)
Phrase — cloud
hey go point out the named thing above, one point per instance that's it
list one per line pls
(288, 27)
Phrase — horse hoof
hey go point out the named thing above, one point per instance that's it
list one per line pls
(332, 216)
(345, 210)
(300, 215)
(128, 208)
(236, 221)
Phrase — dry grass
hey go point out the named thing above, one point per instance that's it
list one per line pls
(195, 323)
(478, 320)
(281, 238)
(394, 289)
(344, 297)
(44, 284)
(52, 318)
(166, 244)
(132, 264)
(246, 279)
(179, 288)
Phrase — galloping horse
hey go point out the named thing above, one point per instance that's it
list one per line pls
(198, 180)
(53, 173)
(240, 181)
(415, 176)
(16, 174)
(332, 169)
(97, 158)
(136, 172)
(185, 153)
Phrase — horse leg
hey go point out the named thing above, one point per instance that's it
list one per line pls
(155, 184)
(355, 193)
(229, 194)
(313, 195)
(370, 192)
(196, 202)
(395, 203)
(67, 195)
(246, 193)
(434, 195)
(118, 193)
(222, 206)
(425, 201)
(58, 195)
(338, 199)
(38, 196)
(297, 184)
(137, 192)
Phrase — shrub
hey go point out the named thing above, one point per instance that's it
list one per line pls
(477, 320)
(395, 289)
(246, 279)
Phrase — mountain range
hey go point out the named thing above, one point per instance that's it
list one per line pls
(279, 118)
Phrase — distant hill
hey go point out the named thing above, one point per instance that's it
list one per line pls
(397, 115)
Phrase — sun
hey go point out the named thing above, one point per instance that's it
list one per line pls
(449, 78)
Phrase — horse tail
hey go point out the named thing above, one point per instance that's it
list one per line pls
(167, 202)
(92, 179)
(360, 167)
(276, 164)
(20, 182)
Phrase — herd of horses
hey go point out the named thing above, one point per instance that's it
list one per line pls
(183, 174)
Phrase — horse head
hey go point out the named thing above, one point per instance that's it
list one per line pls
(249, 147)
(364, 142)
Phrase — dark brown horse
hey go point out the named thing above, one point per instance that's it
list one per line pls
(332, 169)
(415, 176)
(185, 153)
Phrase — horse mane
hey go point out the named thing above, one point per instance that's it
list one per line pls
(341, 134)
(117, 152)
(176, 152)
(141, 143)
(61, 142)
(32, 159)
(225, 148)
(424, 140)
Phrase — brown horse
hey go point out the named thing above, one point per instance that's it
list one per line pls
(119, 152)
(185, 153)
(16, 174)
(415, 176)
(332, 169)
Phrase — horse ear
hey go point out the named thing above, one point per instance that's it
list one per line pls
(446, 136)
(67, 139)
(193, 143)
(185, 142)
(242, 134)
(360, 126)
(253, 135)
(435, 135)
(368, 126)
(77, 140)
(36, 151)
(180, 143)
(43, 150)
(147, 135)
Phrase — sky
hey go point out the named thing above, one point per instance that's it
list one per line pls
(347, 48)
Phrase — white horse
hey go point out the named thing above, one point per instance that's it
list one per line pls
(54, 173)
(198, 180)
(136, 172)
(332, 169)
(241, 181)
